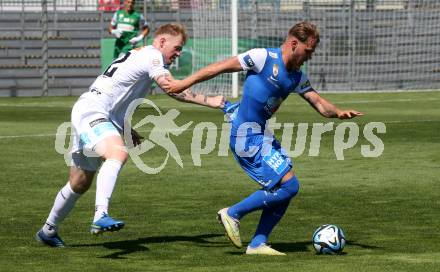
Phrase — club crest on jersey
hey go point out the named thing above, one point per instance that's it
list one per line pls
(275, 70)
(249, 62)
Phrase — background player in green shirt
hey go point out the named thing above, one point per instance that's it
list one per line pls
(125, 26)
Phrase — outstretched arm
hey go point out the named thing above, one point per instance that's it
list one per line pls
(205, 100)
(327, 109)
(225, 66)
(187, 96)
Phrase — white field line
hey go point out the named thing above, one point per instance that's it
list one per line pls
(218, 128)
(386, 101)
(382, 91)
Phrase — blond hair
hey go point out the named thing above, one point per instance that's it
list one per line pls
(173, 29)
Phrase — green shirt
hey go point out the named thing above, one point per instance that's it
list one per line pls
(129, 24)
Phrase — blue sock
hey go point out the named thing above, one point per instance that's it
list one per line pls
(263, 199)
(268, 220)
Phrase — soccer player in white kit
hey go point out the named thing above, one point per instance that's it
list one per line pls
(98, 123)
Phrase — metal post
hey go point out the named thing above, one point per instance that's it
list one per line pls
(152, 16)
(307, 15)
(101, 23)
(22, 36)
(306, 9)
(352, 43)
(144, 40)
(254, 20)
(45, 57)
(234, 38)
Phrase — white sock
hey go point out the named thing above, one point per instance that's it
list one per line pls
(64, 202)
(105, 183)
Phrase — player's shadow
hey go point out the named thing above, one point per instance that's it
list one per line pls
(138, 245)
(354, 243)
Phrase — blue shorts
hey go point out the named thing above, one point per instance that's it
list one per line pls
(262, 158)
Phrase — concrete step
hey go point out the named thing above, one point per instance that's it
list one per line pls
(6, 51)
(37, 43)
(63, 61)
(55, 70)
(38, 91)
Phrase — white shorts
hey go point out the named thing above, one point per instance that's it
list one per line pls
(90, 125)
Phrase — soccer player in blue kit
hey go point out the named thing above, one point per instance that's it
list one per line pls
(272, 74)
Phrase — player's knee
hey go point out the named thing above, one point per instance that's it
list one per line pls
(120, 156)
(117, 153)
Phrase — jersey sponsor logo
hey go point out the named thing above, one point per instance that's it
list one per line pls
(125, 27)
(273, 55)
(276, 161)
(275, 69)
(273, 81)
(249, 62)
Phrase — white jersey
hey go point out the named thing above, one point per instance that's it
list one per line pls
(126, 79)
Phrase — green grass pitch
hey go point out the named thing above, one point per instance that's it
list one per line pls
(388, 206)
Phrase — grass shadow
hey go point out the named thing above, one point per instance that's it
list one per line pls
(292, 247)
(354, 243)
(305, 246)
(138, 245)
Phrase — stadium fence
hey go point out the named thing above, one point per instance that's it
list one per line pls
(366, 45)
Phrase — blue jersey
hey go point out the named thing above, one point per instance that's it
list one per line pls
(266, 86)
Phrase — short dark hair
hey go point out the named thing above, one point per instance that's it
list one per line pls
(304, 30)
(172, 29)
